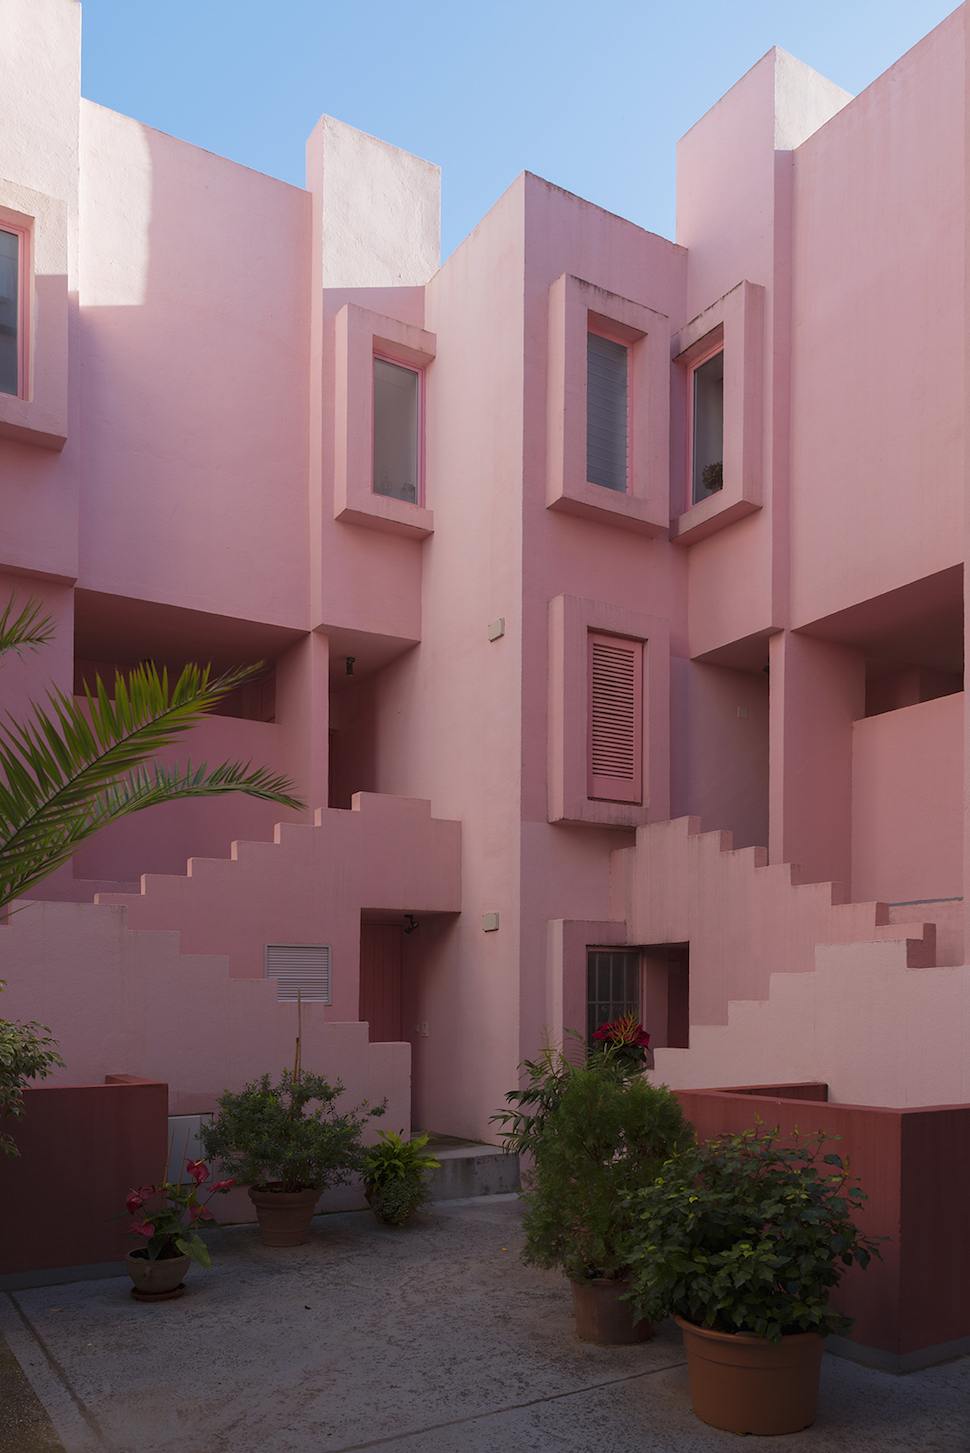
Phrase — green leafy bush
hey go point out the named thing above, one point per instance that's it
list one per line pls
(397, 1176)
(748, 1234)
(595, 1135)
(266, 1138)
(27, 1052)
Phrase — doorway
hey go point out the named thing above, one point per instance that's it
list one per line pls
(382, 981)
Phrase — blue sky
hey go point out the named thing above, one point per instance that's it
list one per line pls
(593, 96)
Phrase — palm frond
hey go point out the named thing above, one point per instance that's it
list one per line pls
(30, 628)
(65, 770)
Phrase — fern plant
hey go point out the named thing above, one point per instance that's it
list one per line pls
(397, 1176)
(596, 1134)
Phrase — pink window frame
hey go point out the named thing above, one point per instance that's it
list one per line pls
(23, 305)
(692, 368)
(601, 327)
(596, 789)
(419, 483)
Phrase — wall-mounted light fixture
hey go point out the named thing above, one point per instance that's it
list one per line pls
(496, 629)
(411, 924)
(350, 665)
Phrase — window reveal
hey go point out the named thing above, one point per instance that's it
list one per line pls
(396, 431)
(707, 436)
(612, 987)
(606, 413)
(10, 321)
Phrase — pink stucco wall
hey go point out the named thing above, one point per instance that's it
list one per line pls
(907, 821)
(218, 358)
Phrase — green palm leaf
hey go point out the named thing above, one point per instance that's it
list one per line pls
(28, 628)
(72, 771)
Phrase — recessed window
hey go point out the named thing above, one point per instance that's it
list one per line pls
(397, 431)
(606, 412)
(612, 987)
(707, 428)
(12, 264)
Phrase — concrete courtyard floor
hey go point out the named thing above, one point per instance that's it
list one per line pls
(429, 1339)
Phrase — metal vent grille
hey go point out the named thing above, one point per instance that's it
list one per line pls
(615, 729)
(303, 967)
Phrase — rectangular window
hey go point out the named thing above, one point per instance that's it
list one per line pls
(303, 967)
(606, 413)
(707, 428)
(12, 330)
(397, 431)
(615, 734)
(612, 987)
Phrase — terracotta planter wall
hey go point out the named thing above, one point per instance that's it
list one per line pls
(918, 1296)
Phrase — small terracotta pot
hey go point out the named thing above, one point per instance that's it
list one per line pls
(601, 1315)
(155, 1278)
(746, 1384)
(284, 1216)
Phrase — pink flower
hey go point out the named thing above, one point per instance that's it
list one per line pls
(198, 1170)
(134, 1202)
(205, 1213)
(143, 1228)
(223, 1185)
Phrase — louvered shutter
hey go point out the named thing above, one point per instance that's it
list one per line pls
(606, 410)
(615, 735)
(299, 966)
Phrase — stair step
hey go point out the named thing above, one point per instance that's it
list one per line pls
(475, 1170)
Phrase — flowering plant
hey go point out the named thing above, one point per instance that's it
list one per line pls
(627, 1039)
(167, 1215)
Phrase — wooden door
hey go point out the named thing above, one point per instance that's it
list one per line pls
(381, 976)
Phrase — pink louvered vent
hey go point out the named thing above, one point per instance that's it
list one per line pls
(615, 718)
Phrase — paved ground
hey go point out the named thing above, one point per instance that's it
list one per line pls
(431, 1339)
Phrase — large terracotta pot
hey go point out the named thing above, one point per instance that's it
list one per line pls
(745, 1384)
(284, 1216)
(601, 1315)
(158, 1278)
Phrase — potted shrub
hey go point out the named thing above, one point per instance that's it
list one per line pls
(287, 1154)
(397, 1177)
(596, 1131)
(743, 1240)
(166, 1226)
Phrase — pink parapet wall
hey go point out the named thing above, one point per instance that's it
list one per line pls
(907, 821)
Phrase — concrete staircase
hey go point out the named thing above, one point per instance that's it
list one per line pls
(471, 1169)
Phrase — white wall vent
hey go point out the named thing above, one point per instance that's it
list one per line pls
(299, 966)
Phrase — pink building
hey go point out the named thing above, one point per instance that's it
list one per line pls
(601, 580)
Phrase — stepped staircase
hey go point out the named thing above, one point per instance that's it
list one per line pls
(789, 981)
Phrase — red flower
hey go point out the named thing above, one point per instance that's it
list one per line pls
(223, 1185)
(143, 1228)
(134, 1202)
(205, 1213)
(622, 1031)
(198, 1170)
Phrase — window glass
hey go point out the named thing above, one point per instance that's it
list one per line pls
(707, 452)
(9, 290)
(606, 412)
(396, 421)
(613, 987)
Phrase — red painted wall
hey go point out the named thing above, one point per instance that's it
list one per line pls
(914, 1166)
(82, 1147)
